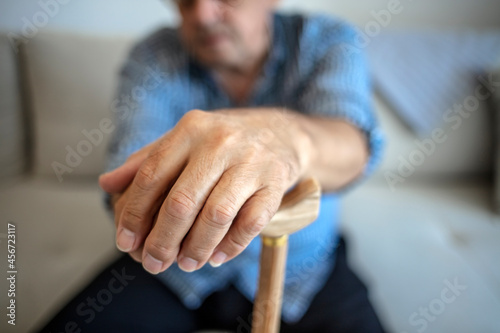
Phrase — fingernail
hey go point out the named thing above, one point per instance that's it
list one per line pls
(125, 240)
(152, 265)
(217, 259)
(187, 264)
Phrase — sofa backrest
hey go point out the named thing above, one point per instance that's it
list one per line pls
(71, 79)
(464, 152)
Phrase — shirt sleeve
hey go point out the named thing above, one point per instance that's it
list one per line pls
(338, 80)
(139, 111)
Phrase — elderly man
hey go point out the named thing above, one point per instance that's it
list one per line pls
(216, 120)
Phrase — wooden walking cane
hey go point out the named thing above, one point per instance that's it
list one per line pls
(298, 209)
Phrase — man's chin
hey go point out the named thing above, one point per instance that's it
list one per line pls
(215, 60)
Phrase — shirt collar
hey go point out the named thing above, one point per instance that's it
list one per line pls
(277, 50)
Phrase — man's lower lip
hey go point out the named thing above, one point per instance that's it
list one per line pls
(211, 41)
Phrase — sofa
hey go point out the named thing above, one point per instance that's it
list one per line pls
(413, 242)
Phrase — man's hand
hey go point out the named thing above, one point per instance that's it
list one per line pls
(206, 188)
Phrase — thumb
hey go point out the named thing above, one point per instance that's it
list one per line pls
(117, 180)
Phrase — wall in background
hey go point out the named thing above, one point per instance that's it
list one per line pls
(137, 17)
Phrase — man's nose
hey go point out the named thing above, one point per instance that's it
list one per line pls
(206, 12)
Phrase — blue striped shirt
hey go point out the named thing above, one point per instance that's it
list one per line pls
(311, 68)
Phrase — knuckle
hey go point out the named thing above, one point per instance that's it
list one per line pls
(292, 168)
(131, 218)
(237, 245)
(180, 204)
(195, 113)
(254, 225)
(254, 151)
(192, 117)
(159, 250)
(218, 216)
(285, 168)
(146, 177)
(196, 251)
(225, 137)
(278, 167)
(266, 206)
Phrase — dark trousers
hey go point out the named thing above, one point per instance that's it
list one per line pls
(125, 298)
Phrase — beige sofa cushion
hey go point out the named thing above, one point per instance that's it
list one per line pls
(466, 151)
(72, 79)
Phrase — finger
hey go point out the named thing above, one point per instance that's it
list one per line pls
(178, 212)
(215, 219)
(117, 180)
(124, 242)
(153, 179)
(251, 219)
(118, 207)
(137, 254)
